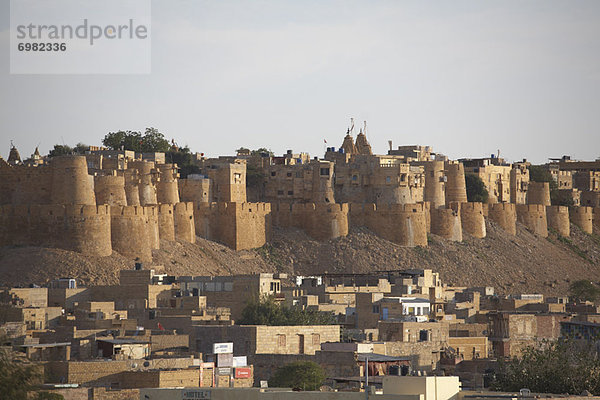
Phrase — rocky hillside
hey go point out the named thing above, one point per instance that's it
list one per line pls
(521, 264)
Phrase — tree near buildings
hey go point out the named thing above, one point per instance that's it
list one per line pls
(564, 366)
(476, 190)
(302, 375)
(267, 312)
(584, 290)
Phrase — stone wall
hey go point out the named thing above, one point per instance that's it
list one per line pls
(403, 224)
(110, 189)
(538, 193)
(534, 218)
(472, 220)
(446, 222)
(558, 219)
(505, 215)
(239, 226)
(83, 228)
(456, 188)
(582, 217)
(320, 221)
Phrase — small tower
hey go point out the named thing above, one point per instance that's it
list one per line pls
(362, 144)
(14, 157)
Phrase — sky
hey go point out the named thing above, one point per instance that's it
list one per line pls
(468, 78)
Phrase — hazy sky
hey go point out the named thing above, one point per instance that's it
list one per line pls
(466, 77)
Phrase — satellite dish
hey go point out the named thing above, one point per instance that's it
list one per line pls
(134, 366)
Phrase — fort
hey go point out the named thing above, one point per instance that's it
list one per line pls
(128, 202)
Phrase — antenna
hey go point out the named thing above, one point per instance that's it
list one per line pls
(352, 125)
(365, 128)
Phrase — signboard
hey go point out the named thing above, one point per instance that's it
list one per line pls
(223, 371)
(240, 361)
(222, 348)
(195, 394)
(225, 360)
(243, 372)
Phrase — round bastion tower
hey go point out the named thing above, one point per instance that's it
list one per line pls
(167, 191)
(71, 183)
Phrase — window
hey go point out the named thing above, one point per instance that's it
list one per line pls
(403, 178)
(273, 173)
(388, 179)
(316, 339)
(354, 178)
(281, 340)
(324, 171)
(280, 192)
(376, 309)
(423, 335)
(289, 174)
(411, 310)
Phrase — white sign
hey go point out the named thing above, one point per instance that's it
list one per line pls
(193, 394)
(241, 361)
(222, 348)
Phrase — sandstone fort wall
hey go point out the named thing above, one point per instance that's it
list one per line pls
(505, 215)
(446, 222)
(403, 224)
(558, 219)
(533, 216)
(538, 193)
(582, 217)
(456, 187)
(472, 219)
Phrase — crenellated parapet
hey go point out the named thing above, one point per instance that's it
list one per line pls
(320, 221)
(130, 233)
(445, 222)
(82, 228)
(240, 226)
(472, 219)
(538, 193)
(533, 216)
(505, 215)
(110, 189)
(403, 224)
(583, 218)
(558, 219)
(456, 187)
(184, 222)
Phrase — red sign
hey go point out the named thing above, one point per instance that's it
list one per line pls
(243, 372)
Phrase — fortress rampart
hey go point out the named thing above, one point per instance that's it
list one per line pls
(238, 225)
(152, 227)
(456, 187)
(167, 191)
(446, 222)
(110, 189)
(195, 190)
(319, 221)
(596, 217)
(505, 215)
(583, 218)
(184, 222)
(130, 233)
(558, 219)
(83, 228)
(403, 224)
(166, 222)
(533, 216)
(434, 184)
(472, 219)
(538, 193)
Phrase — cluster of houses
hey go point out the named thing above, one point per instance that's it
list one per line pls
(153, 330)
